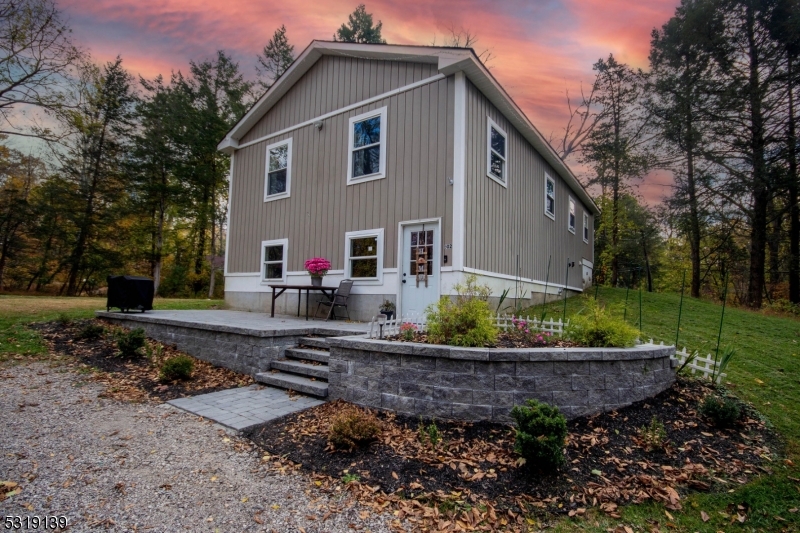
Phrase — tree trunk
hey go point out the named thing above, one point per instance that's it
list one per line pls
(794, 209)
(694, 212)
(3, 257)
(647, 263)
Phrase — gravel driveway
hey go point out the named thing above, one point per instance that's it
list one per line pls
(114, 466)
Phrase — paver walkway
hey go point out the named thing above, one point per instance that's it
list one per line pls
(244, 407)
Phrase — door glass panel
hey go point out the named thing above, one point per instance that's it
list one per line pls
(421, 245)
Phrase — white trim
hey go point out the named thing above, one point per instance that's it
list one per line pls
(274, 242)
(228, 235)
(587, 263)
(586, 230)
(437, 246)
(351, 107)
(288, 192)
(522, 280)
(489, 125)
(242, 274)
(547, 213)
(571, 212)
(380, 112)
(459, 170)
(377, 232)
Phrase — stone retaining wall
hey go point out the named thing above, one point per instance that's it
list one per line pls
(484, 384)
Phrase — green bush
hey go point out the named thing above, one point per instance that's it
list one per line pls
(353, 428)
(541, 434)
(654, 436)
(90, 332)
(178, 367)
(723, 412)
(465, 321)
(595, 327)
(129, 343)
(64, 319)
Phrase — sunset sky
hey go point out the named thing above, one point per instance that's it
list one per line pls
(541, 48)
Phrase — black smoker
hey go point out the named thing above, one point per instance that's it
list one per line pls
(130, 292)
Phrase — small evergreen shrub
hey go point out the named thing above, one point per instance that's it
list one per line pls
(177, 368)
(654, 436)
(723, 412)
(64, 319)
(90, 332)
(429, 433)
(353, 428)
(130, 343)
(465, 321)
(541, 434)
(595, 327)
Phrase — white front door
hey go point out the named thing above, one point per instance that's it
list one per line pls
(419, 270)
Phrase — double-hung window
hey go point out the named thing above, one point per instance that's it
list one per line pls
(496, 146)
(549, 197)
(571, 216)
(367, 147)
(364, 255)
(585, 227)
(273, 260)
(278, 179)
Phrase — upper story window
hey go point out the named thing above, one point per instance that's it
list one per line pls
(496, 141)
(367, 147)
(585, 227)
(571, 218)
(273, 260)
(279, 173)
(364, 255)
(549, 197)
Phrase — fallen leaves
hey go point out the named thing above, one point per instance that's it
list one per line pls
(9, 489)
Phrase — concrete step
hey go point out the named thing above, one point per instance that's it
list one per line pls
(309, 355)
(295, 383)
(315, 342)
(303, 369)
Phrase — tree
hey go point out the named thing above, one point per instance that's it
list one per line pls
(359, 28)
(684, 78)
(464, 38)
(616, 147)
(36, 55)
(275, 58)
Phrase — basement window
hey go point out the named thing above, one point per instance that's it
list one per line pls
(364, 255)
(273, 260)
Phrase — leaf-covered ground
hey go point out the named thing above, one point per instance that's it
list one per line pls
(469, 477)
(132, 379)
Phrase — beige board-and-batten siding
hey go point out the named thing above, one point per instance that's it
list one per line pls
(503, 222)
(336, 82)
(322, 207)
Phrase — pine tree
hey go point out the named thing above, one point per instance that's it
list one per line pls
(277, 56)
(359, 28)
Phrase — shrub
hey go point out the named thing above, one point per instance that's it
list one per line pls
(465, 321)
(541, 434)
(723, 412)
(408, 331)
(597, 328)
(353, 428)
(178, 367)
(129, 343)
(521, 332)
(430, 433)
(654, 436)
(64, 319)
(90, 332)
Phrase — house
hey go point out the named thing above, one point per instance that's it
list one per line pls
(408, 167)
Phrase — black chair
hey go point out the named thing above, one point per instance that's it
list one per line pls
(339, 300)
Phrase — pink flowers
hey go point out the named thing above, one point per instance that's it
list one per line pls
(408, 330)
(317, 266)
(526, 333)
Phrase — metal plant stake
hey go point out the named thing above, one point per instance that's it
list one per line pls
(680, 310)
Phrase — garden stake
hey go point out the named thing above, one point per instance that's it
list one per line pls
(596, 288)
(722, 316)
(546, 280)
(566, 279)
(625, 311)
(680, 310)
(640, 306)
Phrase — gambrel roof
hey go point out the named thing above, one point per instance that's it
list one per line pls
(448, 61)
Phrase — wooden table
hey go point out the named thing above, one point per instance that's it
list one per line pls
(277, 290)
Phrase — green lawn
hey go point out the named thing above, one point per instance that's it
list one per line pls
(17, 311)
(765, 371)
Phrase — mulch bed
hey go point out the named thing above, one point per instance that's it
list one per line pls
(472, 478)
(133, 379)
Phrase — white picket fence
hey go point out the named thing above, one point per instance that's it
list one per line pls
(704, 365)
(502, 321)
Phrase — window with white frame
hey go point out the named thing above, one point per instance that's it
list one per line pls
(367, 147)
(364, 255)
(496, 152)
(585, 227)
(273, 260)
(549, 197)
(571, 217)
(278, 177)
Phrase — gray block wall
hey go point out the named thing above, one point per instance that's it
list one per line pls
(484, 384)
